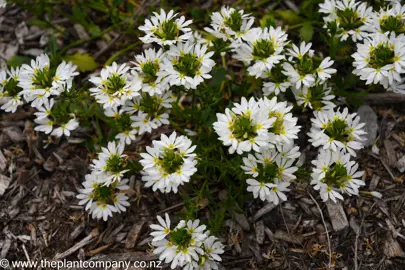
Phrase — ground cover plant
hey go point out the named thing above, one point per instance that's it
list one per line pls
(212, 135)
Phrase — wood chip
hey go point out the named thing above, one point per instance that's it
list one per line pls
(291, 238)
(78, 245)
(259, 229)
(264, 210)
(400, 164)
(4, 183)
(14, 133)
(369, 117)
(337, 216)
(133, 235)
(391, 248)
(3, 162)
(391, 155)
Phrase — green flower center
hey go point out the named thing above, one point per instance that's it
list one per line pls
(234, 21)
(124, 122)
(278, 125)
(393, 24)
(114, 84)
(336, 175)
(181, 237)
(382, 55)
(171, 161)
(243, 128)
(314, 96)
(349, 19)
(338, 130)
(151, 105)
(262, 49)
(167, 30)
(11, 87)
(268, 172)
(115, 164)
(150, 69)
(44, 78)
(276, 75)
(305, 66)
(187, 65)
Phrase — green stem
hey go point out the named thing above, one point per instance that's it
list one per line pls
(83, 41)
(119, 53)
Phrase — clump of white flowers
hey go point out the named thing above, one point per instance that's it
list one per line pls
(103, 200)
(188, 245)
(149, 112)
(334, 174)
(390, 19)
(169, 163)
(166, 29)
(40, 80)
(148, 64)
(337, 130)
(187, 64)
(111, 162)
(380, 59)
(230, 24)
(115, 85)
(271, 171)
(9, 90)
(318, 97)
(245, 127)
(262, 50)
(348, 18)
(303, 70)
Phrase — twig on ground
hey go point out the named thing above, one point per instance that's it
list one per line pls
(326, 230)
(78, 245)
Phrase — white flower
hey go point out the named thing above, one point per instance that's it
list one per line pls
(245, 127)
(284, 127)
(165, 29)
(162, 230)
(45, 125)
(397, 87)
(302, 69)
(337, 130)
(230, 24)
(264, 48)
(115, 85)
(148, 64)
(334, 173)
(40, 80)
(187, 64)
(352, 18)
(272, 171)
(3, 3)
(188, 245)
(102, 201)
(65, 128)
(111, 162)
(380, 59)
(318, 97)
(169, 163)
(9, 90)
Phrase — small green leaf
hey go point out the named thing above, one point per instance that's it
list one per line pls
(307, 31)
(18, 60)
(84, 62)
(289, 16)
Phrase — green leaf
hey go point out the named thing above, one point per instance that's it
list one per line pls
(18, 60)
(267, 21)
(289, 16)
(84, 62)
(307, 31)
